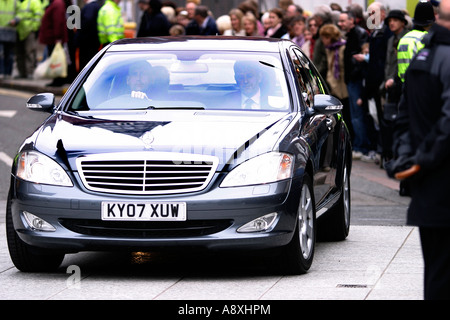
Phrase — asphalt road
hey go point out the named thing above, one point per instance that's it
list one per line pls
(381, 259)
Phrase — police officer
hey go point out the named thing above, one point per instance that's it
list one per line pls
(408, 47)
(110, 22)
(422, 150)
(411, 43)
(27, 21)
(7, 37)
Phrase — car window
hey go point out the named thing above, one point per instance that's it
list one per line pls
(317, 84)
(189, 79)
(302, 78)
(310, 81)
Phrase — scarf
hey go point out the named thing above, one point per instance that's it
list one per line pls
(299, 40)
(335, 47)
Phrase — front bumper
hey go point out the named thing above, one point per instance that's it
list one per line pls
(213, 217)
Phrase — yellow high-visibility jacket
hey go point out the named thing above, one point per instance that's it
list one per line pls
(110, 23)
(408, 46)
(29, 15)
(7, 11)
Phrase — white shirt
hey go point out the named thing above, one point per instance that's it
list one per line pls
(256, 105)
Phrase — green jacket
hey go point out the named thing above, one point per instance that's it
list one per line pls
(7, 11)
(28, 16)
(110, 23)
(408, 46)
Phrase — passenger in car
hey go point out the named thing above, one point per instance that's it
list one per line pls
(249, 77)
(161, 82)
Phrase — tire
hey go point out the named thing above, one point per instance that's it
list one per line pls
(299, 253)
(335, 224)
(27, 258)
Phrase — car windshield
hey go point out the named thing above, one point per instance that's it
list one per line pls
(186, 79)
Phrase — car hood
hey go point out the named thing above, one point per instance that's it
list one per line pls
(225, 134)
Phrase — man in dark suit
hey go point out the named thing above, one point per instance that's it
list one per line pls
(378, 39)
(249, 77)
(202, 24)
(86, 38)
(153, 22)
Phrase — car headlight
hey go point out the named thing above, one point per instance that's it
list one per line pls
(265, 168)
(35, 167)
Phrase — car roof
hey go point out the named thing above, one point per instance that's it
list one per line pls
(214, 43)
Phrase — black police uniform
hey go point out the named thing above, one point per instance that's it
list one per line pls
(422, 136)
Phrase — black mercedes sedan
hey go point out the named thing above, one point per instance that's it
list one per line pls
(223, 143)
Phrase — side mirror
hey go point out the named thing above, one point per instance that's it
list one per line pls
(327, 104)
(42, 102)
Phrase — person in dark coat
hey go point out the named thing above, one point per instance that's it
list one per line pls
(154, 23)
(378, 39)
(277, 28)
(353, 73)
(202, 24)
(54, 30)
(422, 151)
(253, 91)
(322, 16)
(86, 39)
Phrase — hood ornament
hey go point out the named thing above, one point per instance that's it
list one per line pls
(147, 138)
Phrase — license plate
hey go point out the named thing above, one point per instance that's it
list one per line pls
(144, 211)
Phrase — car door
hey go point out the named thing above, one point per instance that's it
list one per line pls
(324, 136)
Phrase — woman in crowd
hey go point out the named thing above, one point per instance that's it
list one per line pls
(334, 47)
(306, 47)
(276, 27)
(251, 6)
(310, 42)
(250, 25)
(296, 27)
(237, 29)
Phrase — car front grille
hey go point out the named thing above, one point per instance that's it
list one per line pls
(145, 229)
(146, 173)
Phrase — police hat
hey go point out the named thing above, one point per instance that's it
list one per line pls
(424, 14)
(398, 14)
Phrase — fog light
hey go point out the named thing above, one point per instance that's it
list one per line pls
(259, 224)
(37, 223)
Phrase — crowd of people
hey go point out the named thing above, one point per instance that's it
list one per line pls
(354, 49)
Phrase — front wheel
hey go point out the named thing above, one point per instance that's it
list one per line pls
(298, 254)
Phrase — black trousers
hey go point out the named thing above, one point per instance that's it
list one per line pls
(436, 255)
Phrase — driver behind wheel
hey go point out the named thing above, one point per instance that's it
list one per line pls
(139, 79)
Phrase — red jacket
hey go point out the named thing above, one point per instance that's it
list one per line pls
(53, 25)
